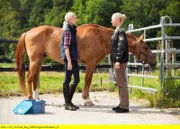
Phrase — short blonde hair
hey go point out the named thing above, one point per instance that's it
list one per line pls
(121, 16)
(68, 16)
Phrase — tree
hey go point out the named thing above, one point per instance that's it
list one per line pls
(55, 16)
(143, 13)
(38, 11)
(172, 9)
(9, 21)
(18, 16)
(95, 11)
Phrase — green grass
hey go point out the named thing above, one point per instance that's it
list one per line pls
(2, 65)
(8, 83)
(148, 82)
(51, 82)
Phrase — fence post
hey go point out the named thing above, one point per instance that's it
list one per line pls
(173, 61)
(167, 56)
(111, 74)
(130, 27)
(135, 61)
(162, 51)
(142, 81)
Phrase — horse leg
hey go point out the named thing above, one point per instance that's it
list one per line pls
(88, 78)
(36, 79)
(29, 86)
(30, 76)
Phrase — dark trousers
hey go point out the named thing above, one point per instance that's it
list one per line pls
(69, 89)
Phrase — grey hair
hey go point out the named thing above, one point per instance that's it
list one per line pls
(121, 16)
(68, 16)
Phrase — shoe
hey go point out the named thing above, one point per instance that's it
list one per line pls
(74, 106)
(115, 108)
(70, 107)
(121, 110)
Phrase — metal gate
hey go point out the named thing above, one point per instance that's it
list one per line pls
(164, 50)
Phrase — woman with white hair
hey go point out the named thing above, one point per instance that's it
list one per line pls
(119, 58)
(69, 53)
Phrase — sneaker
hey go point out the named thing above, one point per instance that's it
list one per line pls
(115, 108)
(70, 107)
(121, 110)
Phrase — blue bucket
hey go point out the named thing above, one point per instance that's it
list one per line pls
(30, 107)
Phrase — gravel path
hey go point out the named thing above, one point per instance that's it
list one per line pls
(101, 113)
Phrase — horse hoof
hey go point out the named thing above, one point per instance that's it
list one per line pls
(30, 97)
(88, 102)
(38, 99)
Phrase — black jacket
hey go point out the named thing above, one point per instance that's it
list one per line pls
(73, 45)
(119, 46)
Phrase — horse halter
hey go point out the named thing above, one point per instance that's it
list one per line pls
(140, 52)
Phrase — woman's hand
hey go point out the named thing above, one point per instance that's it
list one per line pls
(117, 65)
(69, 65)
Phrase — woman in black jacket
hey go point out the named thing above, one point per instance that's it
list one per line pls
(119, 58)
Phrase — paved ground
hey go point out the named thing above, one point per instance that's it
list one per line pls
(99, 114)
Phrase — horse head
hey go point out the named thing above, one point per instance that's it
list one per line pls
(144, 53)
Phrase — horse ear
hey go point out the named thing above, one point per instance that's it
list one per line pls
(141, 37)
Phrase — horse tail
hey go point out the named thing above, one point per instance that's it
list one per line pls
(20, 67)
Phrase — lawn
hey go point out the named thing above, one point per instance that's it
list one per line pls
(3, 65)
(51, 82)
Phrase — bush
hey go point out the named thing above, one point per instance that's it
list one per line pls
(170, 94)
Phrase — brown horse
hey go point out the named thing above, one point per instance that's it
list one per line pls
(93, 43)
